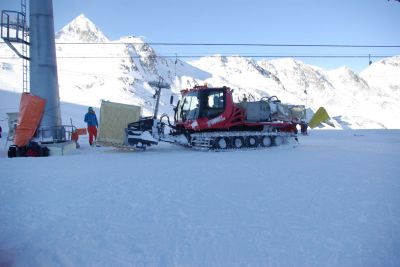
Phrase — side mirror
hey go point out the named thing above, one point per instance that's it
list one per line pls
(171, 100)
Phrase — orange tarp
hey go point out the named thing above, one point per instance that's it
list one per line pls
(31, 111)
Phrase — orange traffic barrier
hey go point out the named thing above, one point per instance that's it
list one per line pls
(81, 131)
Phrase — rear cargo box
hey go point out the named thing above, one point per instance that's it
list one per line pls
(256, 111)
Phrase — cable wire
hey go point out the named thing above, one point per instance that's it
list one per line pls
(231, 44)
(243, 44)
(216, 56)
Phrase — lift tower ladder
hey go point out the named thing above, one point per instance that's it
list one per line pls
(14, 29)
(24, 49)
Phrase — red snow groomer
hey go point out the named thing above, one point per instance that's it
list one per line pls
(207, 118)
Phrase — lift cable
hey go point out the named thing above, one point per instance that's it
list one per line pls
(217, 56)
(230, 44)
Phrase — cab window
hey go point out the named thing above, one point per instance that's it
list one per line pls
(216, 100)
(213, 103)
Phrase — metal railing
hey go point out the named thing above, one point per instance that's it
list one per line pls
(56, 134)
(14, 29)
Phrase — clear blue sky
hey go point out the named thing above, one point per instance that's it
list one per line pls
(364, 22)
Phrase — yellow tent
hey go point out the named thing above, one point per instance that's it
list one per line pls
(320, 116)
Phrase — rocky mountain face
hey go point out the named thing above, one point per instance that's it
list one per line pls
(91, 68)
(353, 100)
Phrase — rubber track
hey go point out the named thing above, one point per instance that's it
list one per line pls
(204, 141)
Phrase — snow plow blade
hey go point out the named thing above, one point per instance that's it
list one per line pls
(138, 133)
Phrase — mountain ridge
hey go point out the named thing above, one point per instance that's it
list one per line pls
(121, 70)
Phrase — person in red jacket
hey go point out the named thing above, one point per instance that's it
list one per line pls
(92, 124)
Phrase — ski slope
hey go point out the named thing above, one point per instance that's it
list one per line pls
(332, 201)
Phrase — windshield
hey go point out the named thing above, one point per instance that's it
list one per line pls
(208, 103)
(189, 107)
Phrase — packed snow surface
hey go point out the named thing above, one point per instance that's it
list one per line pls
(331, 201)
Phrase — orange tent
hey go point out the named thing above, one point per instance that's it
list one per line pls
(31, 110)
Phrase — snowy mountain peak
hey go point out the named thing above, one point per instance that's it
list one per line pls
(385, 74)
(345, 72)
(140, 46)
(230, 63)
(391, 61)
(132, 39)
(81, 29)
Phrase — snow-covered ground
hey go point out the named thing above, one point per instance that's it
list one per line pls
(332, 201)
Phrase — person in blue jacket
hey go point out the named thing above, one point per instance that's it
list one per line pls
(92, 124)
